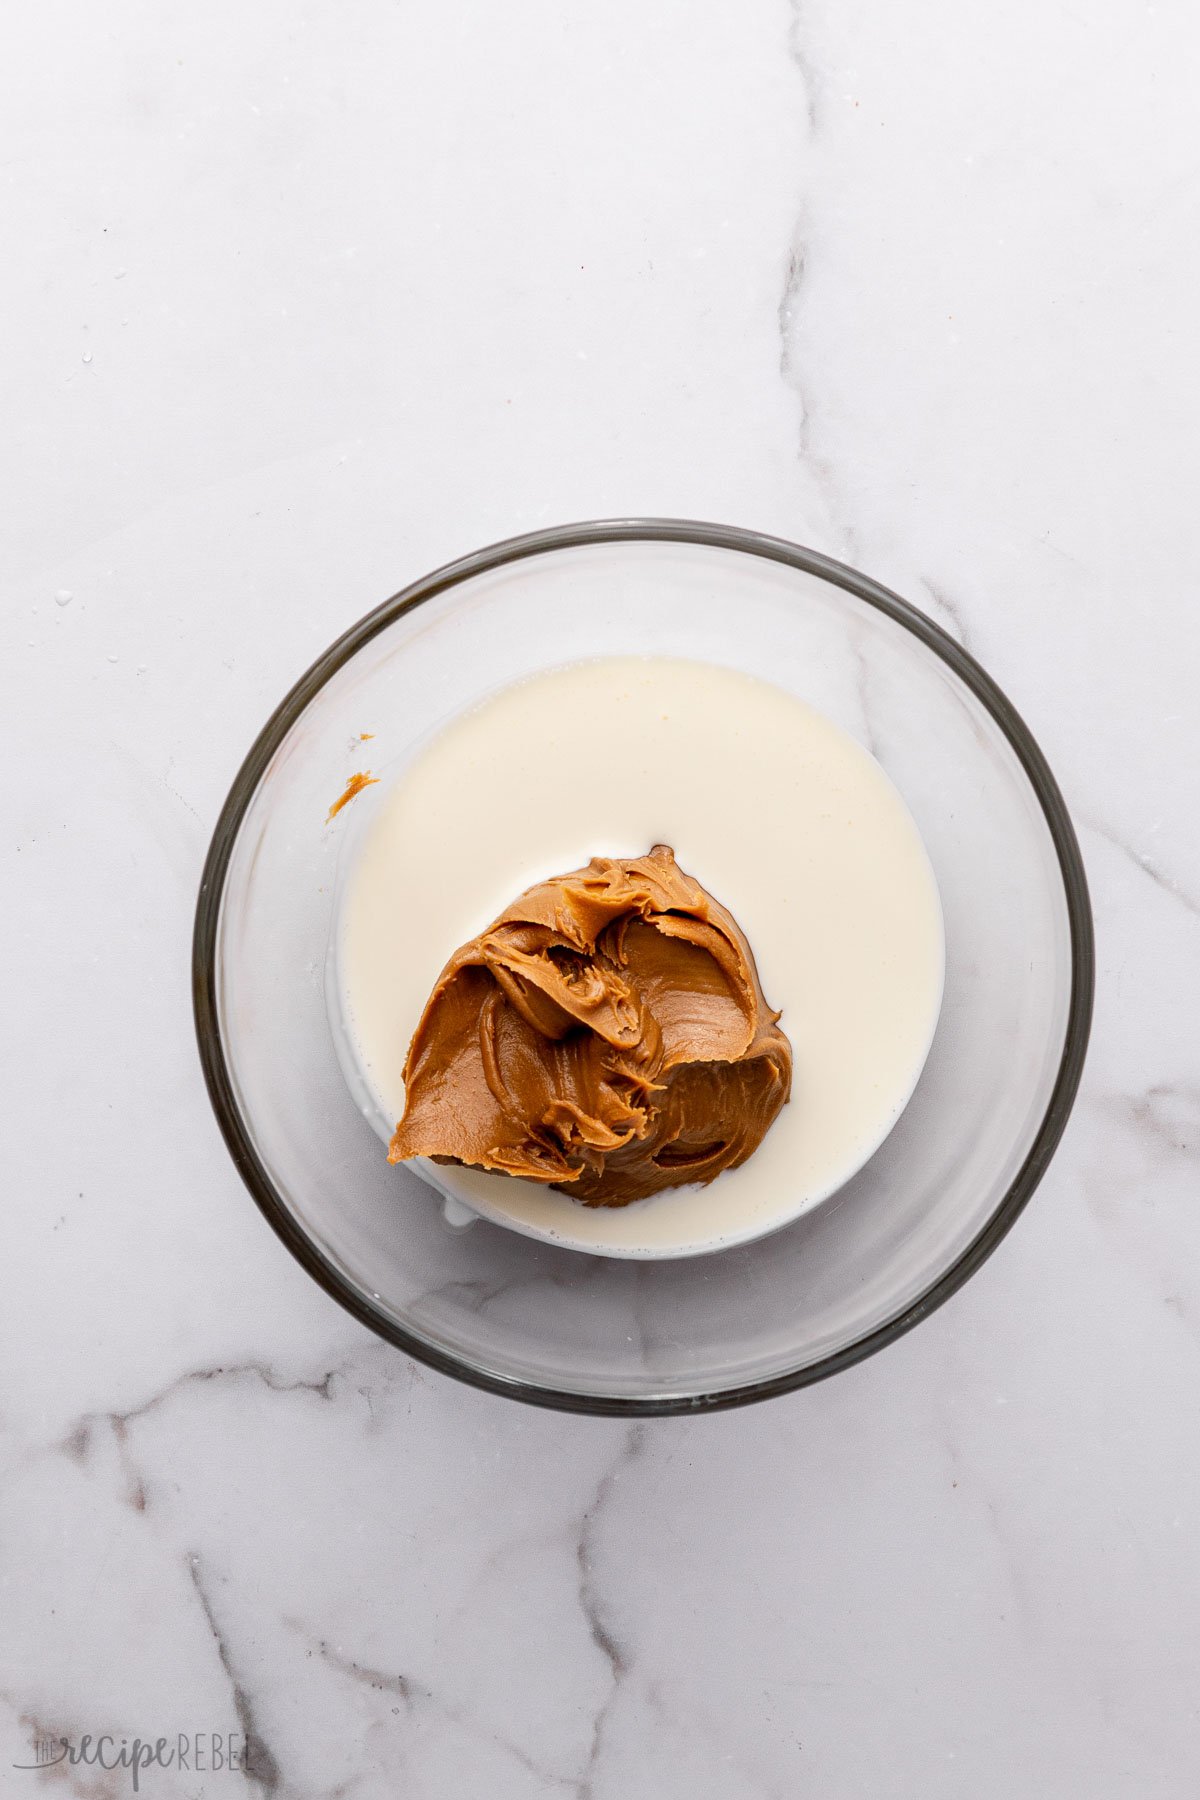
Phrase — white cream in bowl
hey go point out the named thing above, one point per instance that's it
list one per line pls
(776, 811)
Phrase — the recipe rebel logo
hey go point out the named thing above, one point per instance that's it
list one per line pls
(199, 1752)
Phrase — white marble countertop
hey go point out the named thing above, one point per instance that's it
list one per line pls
(301, 300)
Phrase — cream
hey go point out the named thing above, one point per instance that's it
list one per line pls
(782, 816)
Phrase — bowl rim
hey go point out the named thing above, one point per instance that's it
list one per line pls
(616, 531)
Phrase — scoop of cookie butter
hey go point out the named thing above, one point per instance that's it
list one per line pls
(606, 1035)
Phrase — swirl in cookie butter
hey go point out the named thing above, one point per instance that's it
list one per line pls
(607, 1035)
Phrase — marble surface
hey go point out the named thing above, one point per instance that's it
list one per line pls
(301, 300)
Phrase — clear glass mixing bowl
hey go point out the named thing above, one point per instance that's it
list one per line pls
(545, 1324)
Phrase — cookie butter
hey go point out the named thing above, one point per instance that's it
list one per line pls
(606, 1035)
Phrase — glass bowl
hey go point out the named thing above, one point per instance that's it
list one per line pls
(526, 1318)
